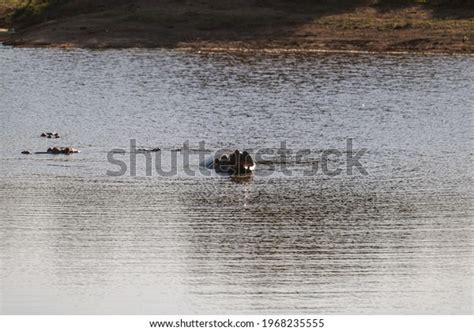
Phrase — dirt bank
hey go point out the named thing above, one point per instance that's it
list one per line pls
(278, 25)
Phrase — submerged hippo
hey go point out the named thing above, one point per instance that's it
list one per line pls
(233, 163)
(62, 150)
(156, 149)
(50, 135)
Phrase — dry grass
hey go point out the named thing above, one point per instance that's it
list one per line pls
(410, 18)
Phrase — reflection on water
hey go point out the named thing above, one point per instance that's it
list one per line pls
(76, 241)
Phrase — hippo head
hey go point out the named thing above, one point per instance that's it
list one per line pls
(244, 162)
(236, 162)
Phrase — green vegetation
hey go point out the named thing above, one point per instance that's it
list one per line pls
(29, 12)
(24, 10)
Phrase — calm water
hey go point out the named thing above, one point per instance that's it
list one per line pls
(76, 241)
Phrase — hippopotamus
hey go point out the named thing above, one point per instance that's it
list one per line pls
(156, 149)
(233, 163)
(62, 150)
(50, 135)
(55, 150)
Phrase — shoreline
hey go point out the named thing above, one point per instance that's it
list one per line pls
(246, 50)
(253, 51)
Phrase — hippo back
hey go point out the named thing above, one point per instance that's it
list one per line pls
(209, 161)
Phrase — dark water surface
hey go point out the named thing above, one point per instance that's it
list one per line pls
(76, 241)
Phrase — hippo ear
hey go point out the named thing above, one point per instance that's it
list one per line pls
(248, 157)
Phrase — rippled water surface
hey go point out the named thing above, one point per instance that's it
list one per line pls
(75, 241)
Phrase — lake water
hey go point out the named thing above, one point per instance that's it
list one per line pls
(76, 241)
